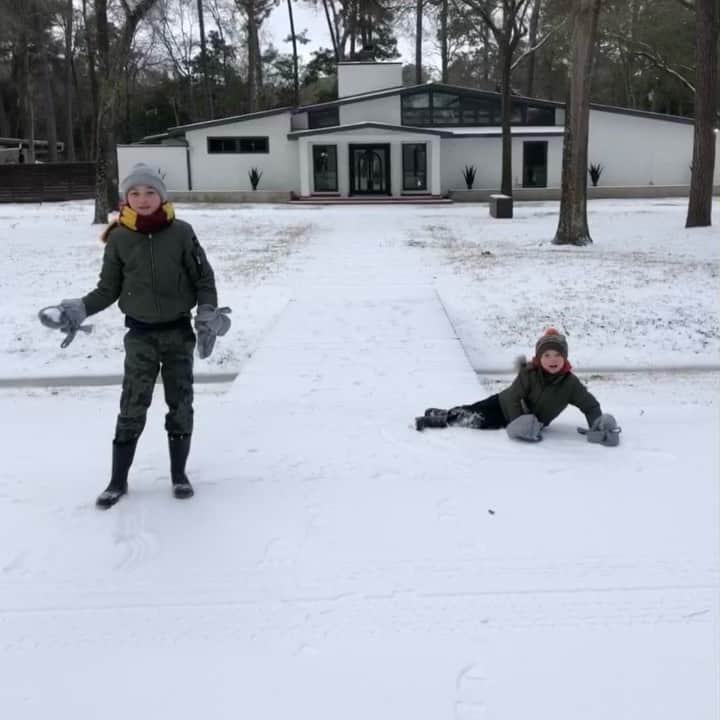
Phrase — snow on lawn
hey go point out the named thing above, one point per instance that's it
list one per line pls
(646, 293)
(54, 252)
(334, 563)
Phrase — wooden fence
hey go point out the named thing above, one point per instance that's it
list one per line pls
(47, 182)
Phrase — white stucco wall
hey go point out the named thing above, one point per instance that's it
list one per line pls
(356, 78)
(169, 160)
(640, 151)
(386, 110)
(485, 153)
(215, 172)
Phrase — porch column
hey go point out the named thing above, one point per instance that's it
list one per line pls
(304, 165)
(435, 166)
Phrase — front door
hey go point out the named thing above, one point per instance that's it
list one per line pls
(369, 169)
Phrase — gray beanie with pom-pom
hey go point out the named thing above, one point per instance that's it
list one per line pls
(142, 174)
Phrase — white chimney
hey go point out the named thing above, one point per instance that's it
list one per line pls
(355, 78)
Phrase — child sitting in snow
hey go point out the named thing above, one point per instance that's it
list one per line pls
(544, 387)
(154, 265)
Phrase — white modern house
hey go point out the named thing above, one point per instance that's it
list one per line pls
(380, 138)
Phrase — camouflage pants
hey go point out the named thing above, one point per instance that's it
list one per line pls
(148, 352)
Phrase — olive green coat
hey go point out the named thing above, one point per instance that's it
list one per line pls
(156, 277)
(546, 396)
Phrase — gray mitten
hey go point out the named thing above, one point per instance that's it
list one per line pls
(525, 427)
(604, 430)
(209, 323)
(67, 317)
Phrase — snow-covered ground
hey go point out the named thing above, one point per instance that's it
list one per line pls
(334, 562)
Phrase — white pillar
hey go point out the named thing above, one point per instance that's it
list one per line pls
(304, 165)
(435, 188)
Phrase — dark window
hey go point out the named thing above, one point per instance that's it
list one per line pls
(480, 111)
(414, 163)
(323, 118)
(540, 115)
(535, 164)
(238, 145)
(435, 107)
(416, 109)
(445, 109)
(325, 168)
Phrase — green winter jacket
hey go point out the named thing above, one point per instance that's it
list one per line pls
(546, 396)
(156, 277)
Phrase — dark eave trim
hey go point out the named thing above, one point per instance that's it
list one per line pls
(295, 134)
(181, 129)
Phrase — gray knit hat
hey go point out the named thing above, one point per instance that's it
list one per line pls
(142, 174)
(551, 340)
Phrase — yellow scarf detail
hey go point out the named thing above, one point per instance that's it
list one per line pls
(129, 218)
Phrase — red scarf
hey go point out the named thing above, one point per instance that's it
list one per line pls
(160, 219)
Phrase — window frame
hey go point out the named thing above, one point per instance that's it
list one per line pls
(415, 188)
(237, 144)
(337, 178)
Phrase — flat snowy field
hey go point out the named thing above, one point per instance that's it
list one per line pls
(335, 563)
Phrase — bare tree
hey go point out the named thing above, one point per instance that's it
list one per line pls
(419, 5)
(507, 22)
(204, 61)
(112, 64)
(69, 123)
(293, 36)
(573, 225)
(703, 163)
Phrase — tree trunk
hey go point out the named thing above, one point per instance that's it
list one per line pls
(418, 41)
(444, 41)
(49, 101)
(69, 130)
(29, 107)
(506, 111)
(532, 39)
(572, 225)
(4, 121)
(296, 75)
(203, 62)
(703, 163)
(252, 57)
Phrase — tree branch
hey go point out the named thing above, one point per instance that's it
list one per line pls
(538, 44)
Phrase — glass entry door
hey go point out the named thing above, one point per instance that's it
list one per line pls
(369, 169)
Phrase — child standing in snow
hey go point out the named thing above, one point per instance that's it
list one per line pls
(157, 270)
(543, 388)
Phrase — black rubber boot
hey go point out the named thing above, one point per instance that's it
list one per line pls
(123, 454)
(433, 418)
(179, 450)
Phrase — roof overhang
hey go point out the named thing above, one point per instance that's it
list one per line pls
(387, 127)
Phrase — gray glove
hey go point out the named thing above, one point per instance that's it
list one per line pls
(604, 430)
(209, 323)
(525, 427)
(67, 317)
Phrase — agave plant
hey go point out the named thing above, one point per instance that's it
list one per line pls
(254, 174)
(469, 175)
(595, 172)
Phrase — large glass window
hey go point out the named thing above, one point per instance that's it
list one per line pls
(414, 163)
(327, 117)
(445, 108)
(416, 109)
(325, 168)
(437, 107)
(480, 111)
(217, 145)
(540, 115)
